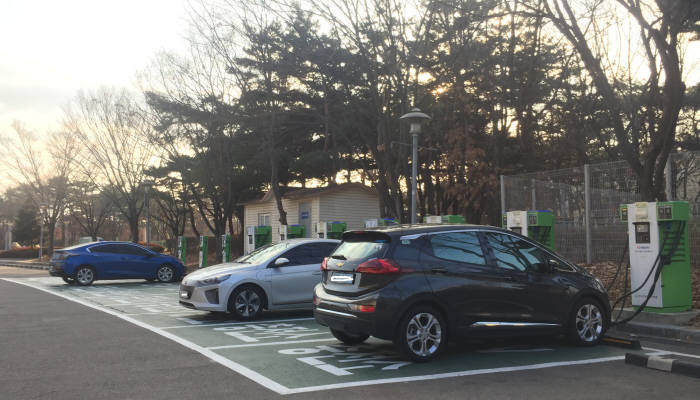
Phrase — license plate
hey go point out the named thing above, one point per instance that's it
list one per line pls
(340, 277)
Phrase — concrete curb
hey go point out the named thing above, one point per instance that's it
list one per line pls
(674, 332)
(664, 364)
(24, 265)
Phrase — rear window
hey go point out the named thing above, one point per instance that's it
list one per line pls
(361, 247)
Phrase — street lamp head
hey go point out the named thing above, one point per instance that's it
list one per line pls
(415, 117)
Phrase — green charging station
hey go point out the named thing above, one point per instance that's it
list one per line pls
(453, 219)
(226, 247)
(330, 230)
(263, 235)
(658, 237)
(296, 231)
(182, 249)
(538, 225)
(203, 251)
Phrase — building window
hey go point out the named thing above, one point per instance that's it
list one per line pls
(263, 219)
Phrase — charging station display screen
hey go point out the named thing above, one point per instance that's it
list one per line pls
(641, 230)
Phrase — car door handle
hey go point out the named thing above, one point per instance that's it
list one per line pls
(438, 270)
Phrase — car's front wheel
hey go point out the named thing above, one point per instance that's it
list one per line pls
(348, 338)
(587, 323)
(422, 334)
(246, 302)
(84, 275)
(166, 273)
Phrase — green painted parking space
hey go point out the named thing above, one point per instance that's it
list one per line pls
(291, 353)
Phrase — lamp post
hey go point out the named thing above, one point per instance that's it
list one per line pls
(415, 118)
(147, 184)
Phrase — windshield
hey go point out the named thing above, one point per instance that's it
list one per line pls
(358, 251)
(263, 253)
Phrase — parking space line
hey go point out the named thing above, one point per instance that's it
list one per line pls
(232, 365)
(451, 374)
(664, 352)
(232, 346)
(204, 324)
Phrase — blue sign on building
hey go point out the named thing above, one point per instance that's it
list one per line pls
(304, 215)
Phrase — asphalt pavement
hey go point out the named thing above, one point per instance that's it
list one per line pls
(51, 347)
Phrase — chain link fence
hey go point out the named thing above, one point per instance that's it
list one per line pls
(600, 188)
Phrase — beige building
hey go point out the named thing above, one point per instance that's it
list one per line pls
(352, 203)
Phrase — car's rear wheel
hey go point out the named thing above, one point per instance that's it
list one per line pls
(422, 334)
(166, 273)
(348, 338)
(587, 323)
(84, 275)
(246, 302)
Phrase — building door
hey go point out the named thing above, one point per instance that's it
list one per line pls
(305, 218)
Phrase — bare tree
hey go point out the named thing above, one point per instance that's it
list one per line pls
(643, 121)
(113, 129)
(89, 208)
(46, 171)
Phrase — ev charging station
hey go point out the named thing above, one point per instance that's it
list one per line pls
(291, 232)
(330, 230)
(376, 222)
(445, 219)
(226, 247)
(257, 236)
(182, 249)
(658, 239)
(535, 224)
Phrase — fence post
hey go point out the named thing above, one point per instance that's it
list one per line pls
(533, 194)
(587, 206)
(668, 176)
(503, 196)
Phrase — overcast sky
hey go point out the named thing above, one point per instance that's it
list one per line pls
(50, 49)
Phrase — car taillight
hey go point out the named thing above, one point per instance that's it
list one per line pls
(379, 266)
(324, 264)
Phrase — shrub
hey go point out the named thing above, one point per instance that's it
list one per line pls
(21, 252)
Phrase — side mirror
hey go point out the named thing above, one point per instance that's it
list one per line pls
(543, 267)
(281, 261)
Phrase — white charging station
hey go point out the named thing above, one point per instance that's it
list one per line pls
(643, 229)
(321, 230)
(282, 232)
(250, 239)
(516, 221)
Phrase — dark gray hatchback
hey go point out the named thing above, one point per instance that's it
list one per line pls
(420, 285)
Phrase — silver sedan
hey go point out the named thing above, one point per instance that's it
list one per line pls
(273, 277)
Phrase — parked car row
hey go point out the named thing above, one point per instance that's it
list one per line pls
(418, 286)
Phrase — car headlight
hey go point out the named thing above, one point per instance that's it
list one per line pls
(213, 280)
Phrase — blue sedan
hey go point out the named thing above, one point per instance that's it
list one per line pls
(86, 263)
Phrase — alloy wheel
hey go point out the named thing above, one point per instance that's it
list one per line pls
(165, 274)
(247, 303)
(85, 276)
(423, 334)
(589, 322)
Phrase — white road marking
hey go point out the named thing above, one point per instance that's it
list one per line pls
(206, 325)
(232, 346)
(664, 352)
(451, 374)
